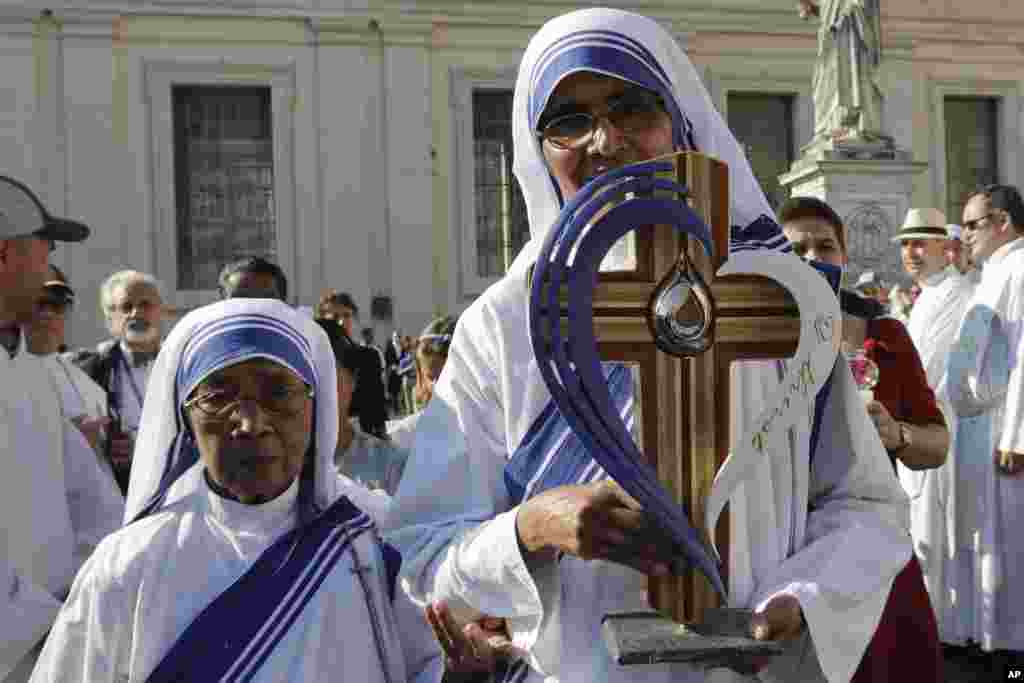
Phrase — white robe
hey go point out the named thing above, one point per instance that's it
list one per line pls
(990, 609)
(459, 542)
(373, 462)
(402, 431)
(148, 582)
(935, 495)
(55, 505)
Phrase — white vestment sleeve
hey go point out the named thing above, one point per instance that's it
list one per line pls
(1012, 437)
(94, 501)
(856, 540)
(455, 525)
(28, 610)
(92, 632)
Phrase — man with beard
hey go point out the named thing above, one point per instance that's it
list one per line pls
(488, 531)
(133, 307)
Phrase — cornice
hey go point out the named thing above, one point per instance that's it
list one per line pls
(507, 25)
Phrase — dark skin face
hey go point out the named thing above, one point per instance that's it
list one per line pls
(610, 147)
(252, 455)
(252, 286)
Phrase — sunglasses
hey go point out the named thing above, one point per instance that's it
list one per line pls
(54, 306)
(634, 111)
(973, 225)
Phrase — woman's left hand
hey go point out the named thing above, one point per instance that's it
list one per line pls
(888, 427)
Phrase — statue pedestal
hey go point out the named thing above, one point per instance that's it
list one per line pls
(869, 183)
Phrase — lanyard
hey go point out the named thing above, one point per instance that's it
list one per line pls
(131, 382)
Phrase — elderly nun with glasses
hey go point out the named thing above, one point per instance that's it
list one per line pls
(503, 541)
(242, 558)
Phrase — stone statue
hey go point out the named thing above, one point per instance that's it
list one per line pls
(847, 96)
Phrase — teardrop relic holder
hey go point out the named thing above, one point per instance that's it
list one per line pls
(570, 363)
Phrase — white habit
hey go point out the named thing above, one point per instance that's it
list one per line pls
(55, 505)
(317, 607)
(146, 583)
(373, 462)
(841, 529)
(986, 384)
(935, 495)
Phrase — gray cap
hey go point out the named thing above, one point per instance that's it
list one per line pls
(23, 215)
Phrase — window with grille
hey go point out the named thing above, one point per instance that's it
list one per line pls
(971, 152)
(224, 173)
(501, 225)
(763, 125)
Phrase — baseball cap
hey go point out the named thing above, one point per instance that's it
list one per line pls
(23, 215)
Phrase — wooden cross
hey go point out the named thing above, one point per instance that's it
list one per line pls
(685, 401)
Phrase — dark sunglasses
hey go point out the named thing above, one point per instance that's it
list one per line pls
(56, 306)
(634, 111)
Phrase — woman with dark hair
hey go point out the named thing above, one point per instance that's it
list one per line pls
(366, 459)
(912, 429)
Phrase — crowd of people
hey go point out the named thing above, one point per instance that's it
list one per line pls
(258, 494)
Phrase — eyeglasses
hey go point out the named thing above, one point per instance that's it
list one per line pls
(974, 224)
(276, 401)
(634, 111)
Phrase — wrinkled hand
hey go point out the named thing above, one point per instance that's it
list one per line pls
(91, 428)
(888, 427)
(476, 647)
(121, 448)
(1009, 463)
(595, 521)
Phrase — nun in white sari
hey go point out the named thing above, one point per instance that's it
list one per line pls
(828, 540)
(242, 559)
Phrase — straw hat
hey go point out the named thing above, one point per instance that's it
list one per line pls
(923, 224)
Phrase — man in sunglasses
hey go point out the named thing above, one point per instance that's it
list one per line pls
(83, 401)
(987, 385)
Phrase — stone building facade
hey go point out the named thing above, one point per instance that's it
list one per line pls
(362, 144)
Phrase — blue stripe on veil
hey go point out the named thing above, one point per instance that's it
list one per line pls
(550, 455)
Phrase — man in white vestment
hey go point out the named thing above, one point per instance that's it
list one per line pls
(933, 325)
(48, 494)
(82, 400)
(242, 558)
(986, 381)
(959, 256)
(598, 89)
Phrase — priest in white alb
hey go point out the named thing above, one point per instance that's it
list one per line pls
(937, 503)
(242, 558)
(506, 517)
(54, 502)
(986, 382)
